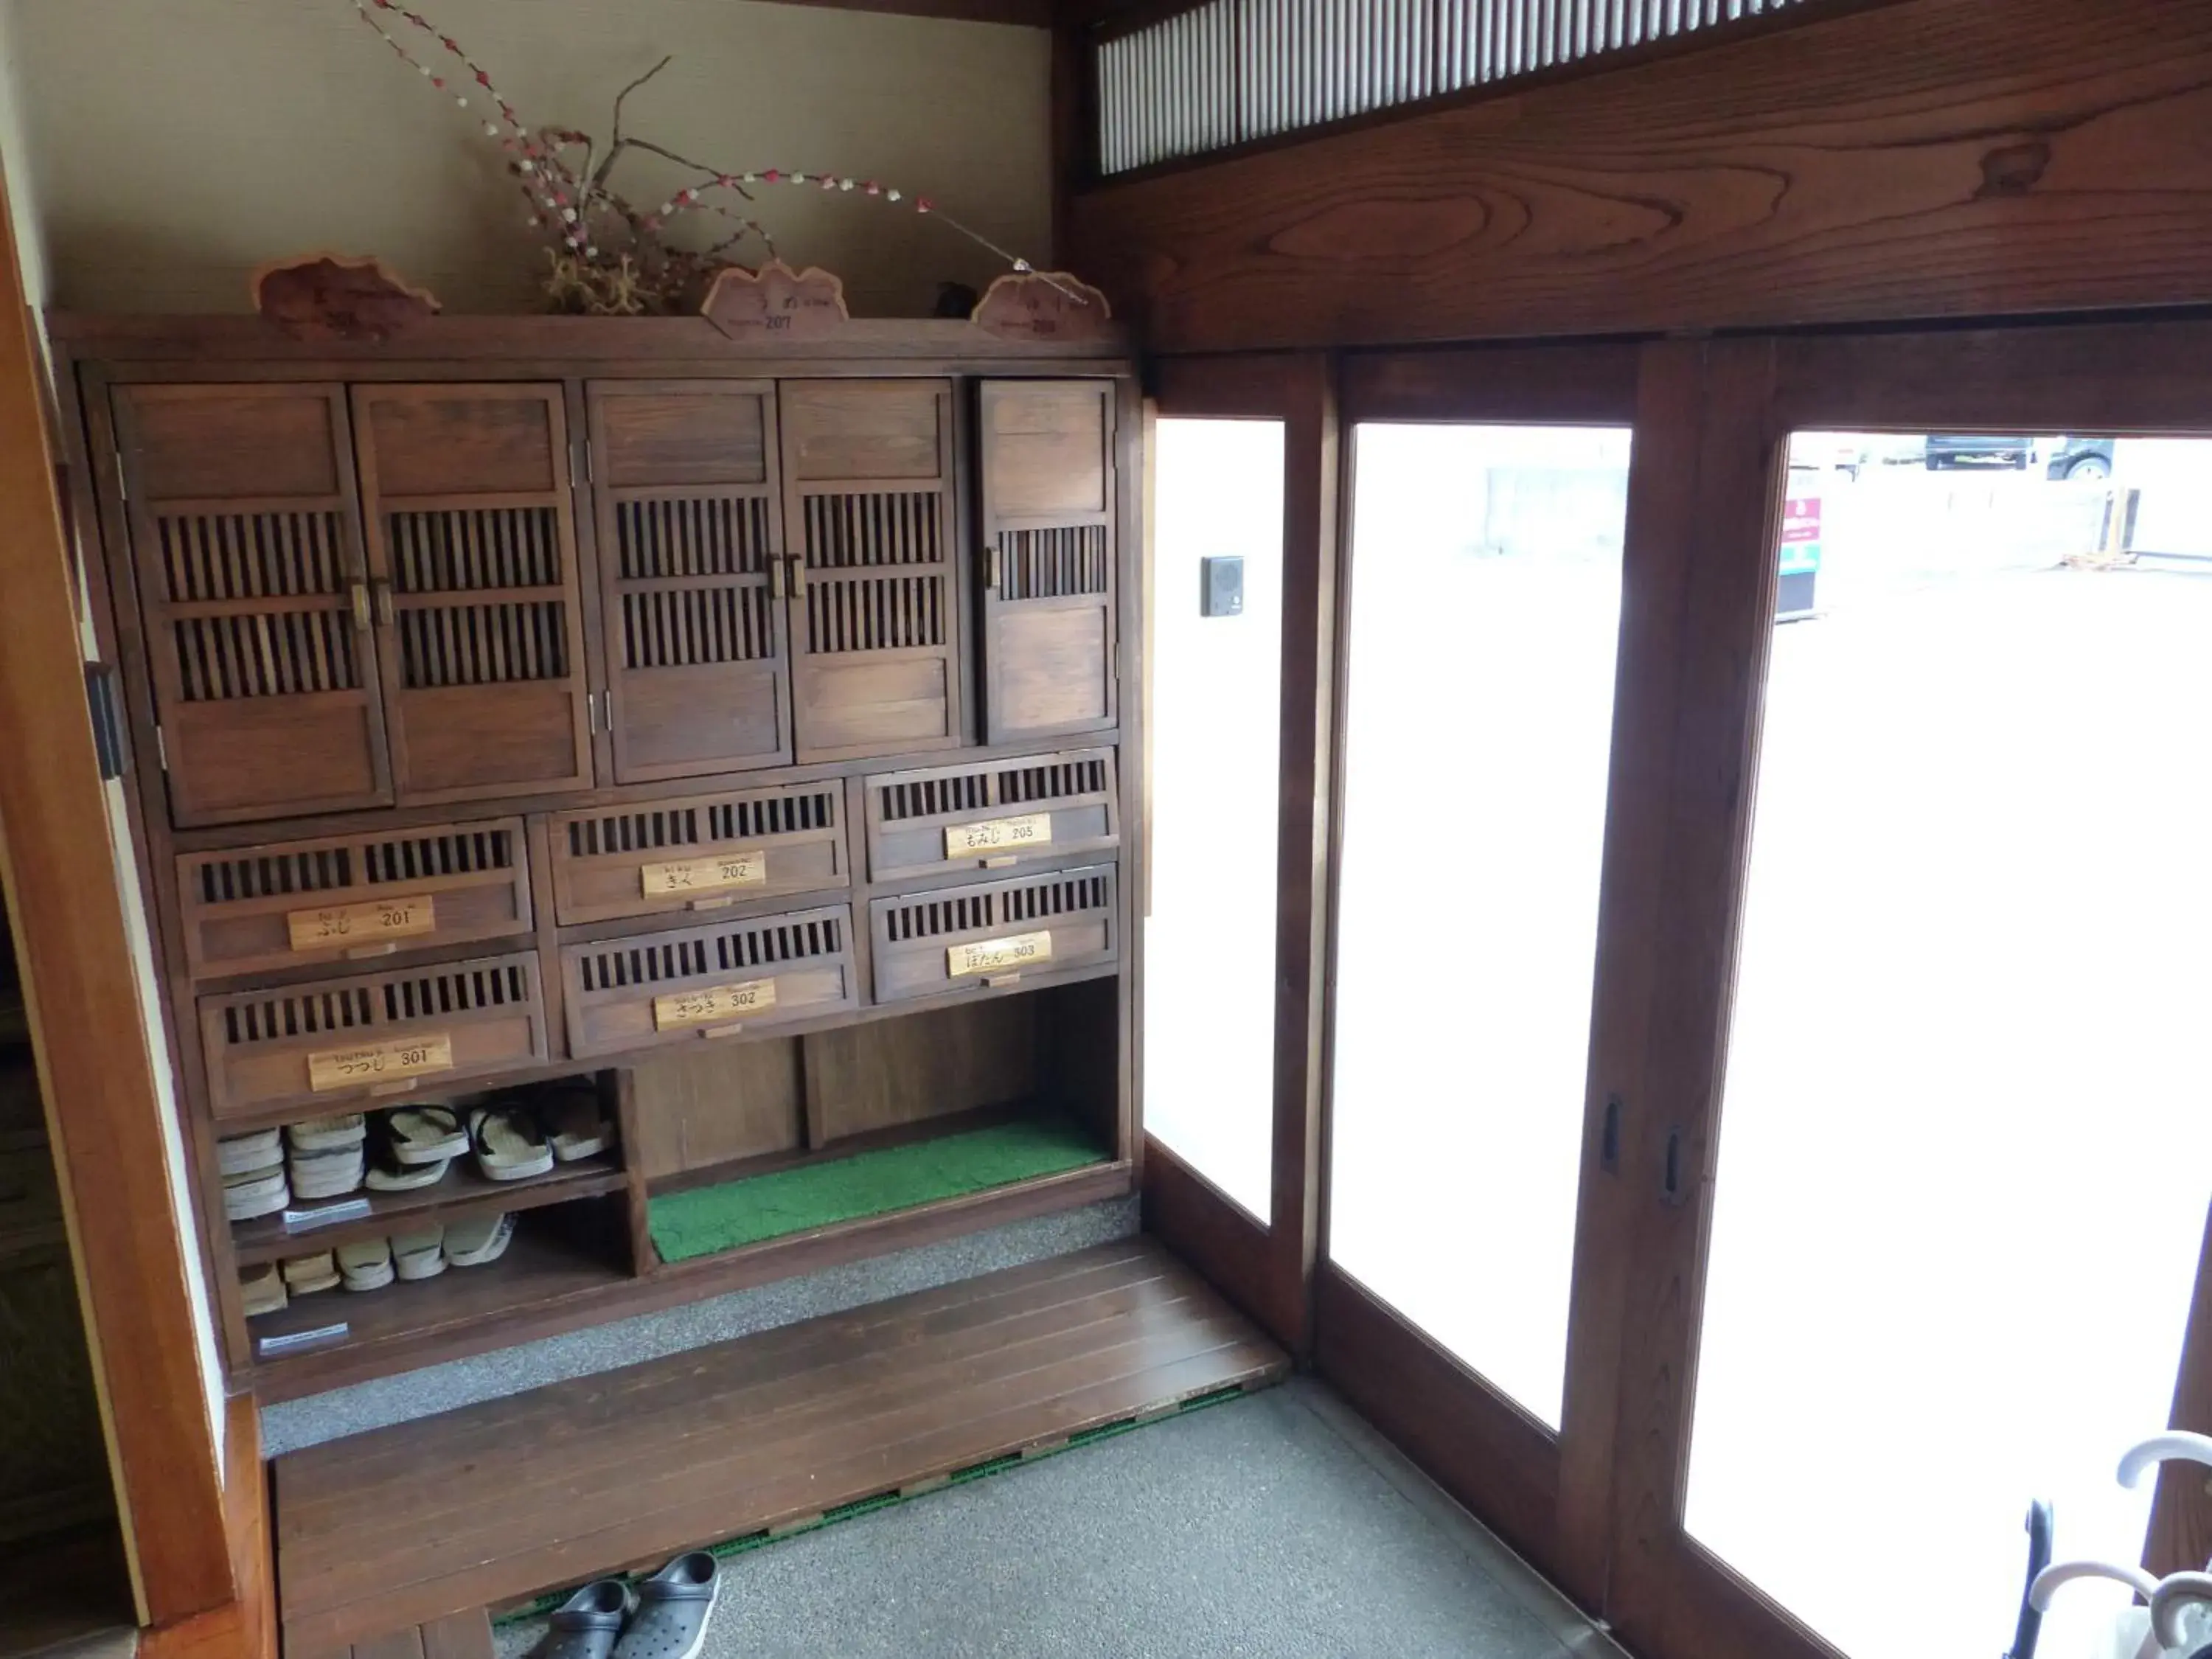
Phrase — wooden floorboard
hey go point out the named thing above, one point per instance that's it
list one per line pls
(411, 1525)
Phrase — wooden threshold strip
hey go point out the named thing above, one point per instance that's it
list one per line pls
(507, 1499)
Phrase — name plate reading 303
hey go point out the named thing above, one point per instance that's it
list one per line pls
(713, 1003)
(353, 924)
(380, 1062)
(992, 955)
(707, 875)
(997, 835)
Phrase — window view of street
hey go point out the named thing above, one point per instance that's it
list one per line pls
(1485, 604)
(1966, 1147)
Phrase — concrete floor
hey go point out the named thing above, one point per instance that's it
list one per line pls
(1274, 1526)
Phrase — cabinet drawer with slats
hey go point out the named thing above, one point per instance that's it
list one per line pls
(990, 815)
(332, 1045)
(703, 852)
(300, 903)
(718, 979)
(994, 934)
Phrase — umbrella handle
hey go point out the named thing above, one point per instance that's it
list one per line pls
(2160, 1448)
(2065, 1572)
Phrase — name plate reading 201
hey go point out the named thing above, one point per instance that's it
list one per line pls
(995, 955)
(380, 1062)
(997, 835)
(342, 924)
(713, 1003)
(707, 875)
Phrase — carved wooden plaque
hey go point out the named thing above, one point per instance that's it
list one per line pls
(996, 835)
(991, 956)
(1043, 306)
(776, 303)
(341, 925)
(713, 1004)
(708, 875)
(338, 296)
(380, 1062)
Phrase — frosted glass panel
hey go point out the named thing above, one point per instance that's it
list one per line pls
(1215, 726)
(1964, 1148)
(1485, 608)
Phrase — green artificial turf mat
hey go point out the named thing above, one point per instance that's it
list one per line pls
(706, 1219)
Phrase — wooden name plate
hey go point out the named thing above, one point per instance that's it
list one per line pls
(997, 835)
(776, 302)
(1043, 306)
(380, 1062)
(993, 956)
(716, 873)
(713, 1003)
(339, 926)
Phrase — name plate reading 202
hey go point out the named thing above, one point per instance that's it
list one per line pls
(713, 1003)
(997, 835)
(993, 956)
(380, 1062)
(707, 875)
(342, 924)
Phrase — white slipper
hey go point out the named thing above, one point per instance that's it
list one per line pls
(405, 1177)
(262, 1290)
(367, 1264)
(420, 1252)
(579, 1129)
(370, 1279)
(323, 1135)
(250, 1198)
(425, 1134)
(509, 1144)
(327, 1174)
(242, 1154)
(480, 1239)
(303, 1275)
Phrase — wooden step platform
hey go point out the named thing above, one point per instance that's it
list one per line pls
(476, 1507)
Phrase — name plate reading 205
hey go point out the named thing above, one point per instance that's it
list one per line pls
(707, 875)
(993, 956)
(713, 1003)
(380, 1062)
(997, 835)
(354, 924)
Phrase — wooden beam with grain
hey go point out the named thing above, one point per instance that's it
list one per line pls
(1936, 158)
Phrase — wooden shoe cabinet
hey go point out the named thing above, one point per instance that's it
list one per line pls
(741, 726)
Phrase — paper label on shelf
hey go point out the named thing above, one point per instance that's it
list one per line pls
(713, 1004)
(268, 1347)
(380, 1062)
(325, 1215)
(991, 956)
(997, 835)
(340, 925)
(707, 875)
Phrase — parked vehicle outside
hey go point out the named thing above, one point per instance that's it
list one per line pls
(2080, 458)
(1946, 450)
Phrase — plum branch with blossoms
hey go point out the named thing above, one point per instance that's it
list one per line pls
(609, 254)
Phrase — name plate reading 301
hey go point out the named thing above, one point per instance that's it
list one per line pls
(713, 1003)
(707, 875)
(380, 1062)
(352, 924)
(992, 955)
(997, 835)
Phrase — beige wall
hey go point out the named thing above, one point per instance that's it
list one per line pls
(174, 144)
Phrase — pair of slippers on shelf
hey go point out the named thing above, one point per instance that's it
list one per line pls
(326, 1156)
(253, 1180)
(665, 1617)
(425, 1251)
(511, 1142)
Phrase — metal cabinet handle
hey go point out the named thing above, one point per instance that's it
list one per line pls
(386, 612)
(799, 575)
(361, 618)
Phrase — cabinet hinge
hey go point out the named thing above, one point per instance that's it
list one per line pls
(161, 747)
(596, 712)
(122, 478)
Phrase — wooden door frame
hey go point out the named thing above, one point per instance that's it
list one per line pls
(96, 1053)
(1269, 1271)
(1669, 1597)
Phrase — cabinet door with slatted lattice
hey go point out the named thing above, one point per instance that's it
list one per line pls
(692, 537)
(251, 584)
(876, 634)
(1048, 632)
(472, 548)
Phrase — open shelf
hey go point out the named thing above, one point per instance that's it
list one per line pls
(462, 1193)
(541, 1267)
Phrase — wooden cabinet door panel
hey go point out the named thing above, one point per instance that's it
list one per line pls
(472, 548)
(252, 586)
(1049, 633)
(876, 632)
(990, 936)
(690, 528)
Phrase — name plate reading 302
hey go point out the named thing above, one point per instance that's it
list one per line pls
(713, 1003)
(380, 1062)
(352, 924)
(992, 955)
(997, 835)
(707, 875)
